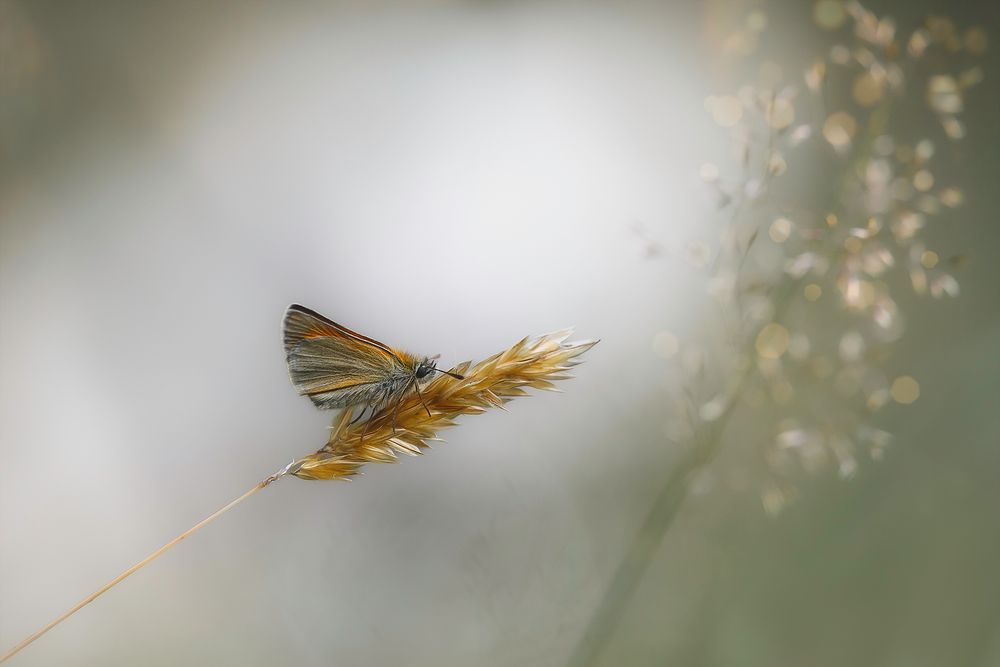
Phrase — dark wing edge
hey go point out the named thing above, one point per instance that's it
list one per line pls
(302, 323)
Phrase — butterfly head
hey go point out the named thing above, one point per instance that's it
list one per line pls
(427, 366)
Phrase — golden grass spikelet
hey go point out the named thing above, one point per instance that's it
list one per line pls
(531, 362)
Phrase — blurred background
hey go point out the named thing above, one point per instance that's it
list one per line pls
(449, 177)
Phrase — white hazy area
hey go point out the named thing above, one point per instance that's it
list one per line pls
(446, 179)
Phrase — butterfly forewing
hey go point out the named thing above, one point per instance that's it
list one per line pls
(335, 366)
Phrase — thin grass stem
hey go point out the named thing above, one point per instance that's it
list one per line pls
(141, 564)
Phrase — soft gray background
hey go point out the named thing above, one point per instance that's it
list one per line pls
(447, 177)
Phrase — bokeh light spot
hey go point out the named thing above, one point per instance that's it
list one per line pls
(867, 89)
(923, 180)
(772, 341)
(780, 230)
(727, 110)
(924, 150)
(839, 129)
(976, 41)
(905, 390)
(953, 127)
(829, 14)
(943, 94)
(780, 114)
(952, 197)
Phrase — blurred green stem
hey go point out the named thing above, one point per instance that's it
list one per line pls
(661, 515)
(704, 449)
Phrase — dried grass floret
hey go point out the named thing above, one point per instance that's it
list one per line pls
(409, 428)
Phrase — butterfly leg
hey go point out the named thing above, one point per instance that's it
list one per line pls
(399, 399)
(395, 411)
(360, 415)
(375, 407)
(368, 422)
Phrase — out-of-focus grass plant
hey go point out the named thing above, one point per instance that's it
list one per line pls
(807, 280)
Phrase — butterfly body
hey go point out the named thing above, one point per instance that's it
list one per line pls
(337, 368)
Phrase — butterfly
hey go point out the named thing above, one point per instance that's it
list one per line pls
(338, 368)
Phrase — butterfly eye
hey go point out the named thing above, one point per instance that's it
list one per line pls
(423, 369)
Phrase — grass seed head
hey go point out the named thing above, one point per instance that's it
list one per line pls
(530, 363)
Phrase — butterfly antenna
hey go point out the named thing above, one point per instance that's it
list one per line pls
(454, 375)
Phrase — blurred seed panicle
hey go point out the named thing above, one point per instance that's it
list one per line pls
(408, 429)
(811, 279)
(823, 205)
